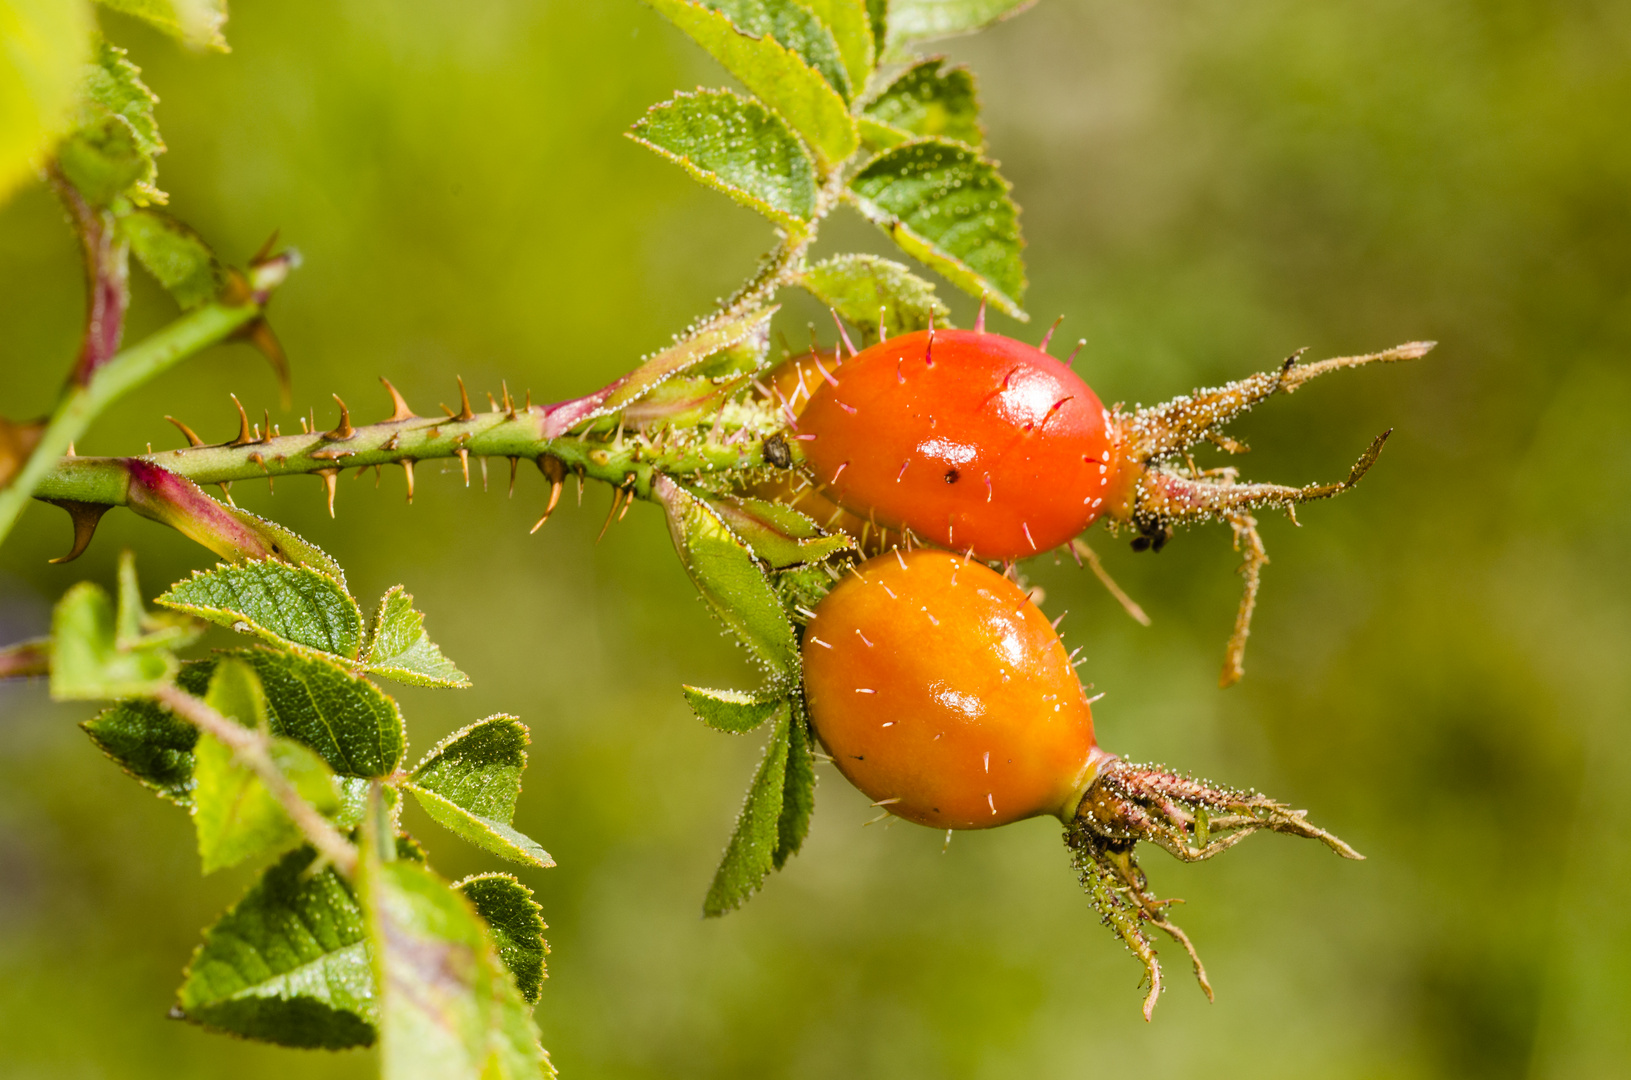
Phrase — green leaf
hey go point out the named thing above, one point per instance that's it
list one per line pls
(287, 964)
(86, 660)
(928, 99)
(925, 20)
(448, 1008)
(777, 534)
(346, 719)
(235, 816)
(515, 923)
(730, 580)
(863, 287)
(197, 22)
(751, 853)
(43, 47)
(400, 649)
(470, 783)
(732, 710)
(793, 25)
(776, 75)
(727, 344)
(176, 256)
(279, 601)
(877, 14)
(798, 790)
(149, 743)
(114, 146)
(946, 205)
(735, 145)
(852, 33)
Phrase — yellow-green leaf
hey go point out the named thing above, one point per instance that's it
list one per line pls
(43, 48)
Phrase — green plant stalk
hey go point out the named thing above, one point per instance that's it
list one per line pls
(250, 748)
(625, 460)
(80, 405)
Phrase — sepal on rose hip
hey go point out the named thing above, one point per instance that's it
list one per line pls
(1192, 819)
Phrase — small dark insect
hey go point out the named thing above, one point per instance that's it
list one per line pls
(951, 476)
(777, 453)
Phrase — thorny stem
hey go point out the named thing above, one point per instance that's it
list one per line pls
(250, 748)
(1191, 819)
(81, 404)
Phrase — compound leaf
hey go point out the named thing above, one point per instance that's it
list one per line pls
(515, 923)
(87, 661)
(152, 744)
(751, 853)
(730, 580)
(400, 649)
(279, 601)
(732, 711)
(197, 22)
(925, 20)
(470, 783)
(177, 257)
(866, 291)
(287, 964)
(346, 719)
(929, 99)
(945, 204)
(852, 33)
(448, 1008)
(43, 47)
(235, 816)
(737, 146)
(776, 75)
(798, 790)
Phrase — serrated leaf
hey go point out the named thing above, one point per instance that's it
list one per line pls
(733, 711)
(515, 923)
(448, 1008)
(235, 816)
(861, 287)
(798, 790)
(930, 99)
(852, 32)
(347, 719)
(400, 649)
(287, 964)
(776, 75)
(777, 534)
(275, 600)
(926, 20)
(177, 257)
(197, 22)
(86, 660)
(794, 26)
(470, 783)
(946, 205)
(151, 744)
(114, 144)
(751, 853)
(730, 580)
(735, 145)
(43, 48)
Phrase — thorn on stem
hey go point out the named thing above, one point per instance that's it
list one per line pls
(399, 405)
(192, 437)
(464, 464)
(465, 412)
(342, 430)
(244, 435)
(330, 476)
(407, 470)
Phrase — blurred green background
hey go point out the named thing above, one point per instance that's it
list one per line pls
(1440, 666)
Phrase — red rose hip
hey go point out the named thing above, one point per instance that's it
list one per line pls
(974, 441)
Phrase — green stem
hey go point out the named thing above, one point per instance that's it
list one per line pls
(80, 405)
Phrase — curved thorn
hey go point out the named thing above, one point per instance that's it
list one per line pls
(464, 463)
(465, 412)
(330, 476)
(244, 436)
(342, 430)
(192, 437)
(85, 518)
(407, 469)
(399, 406)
